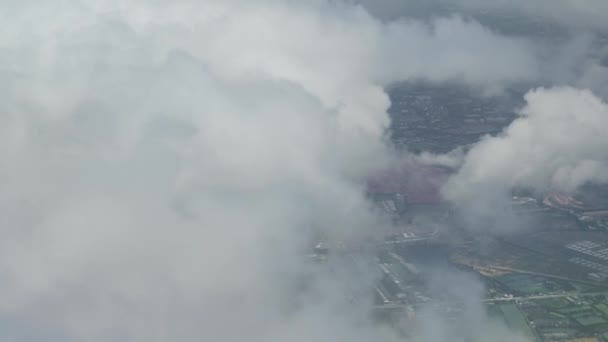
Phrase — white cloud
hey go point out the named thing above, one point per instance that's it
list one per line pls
(164, 165)
(558, 142)
(456, 49)
(582, 14)
(579, 14)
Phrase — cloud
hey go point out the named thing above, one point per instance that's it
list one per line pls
(565, 39)
(557, 143)
(453, 48)
(586, 14)
(165, 166)
(467, 311)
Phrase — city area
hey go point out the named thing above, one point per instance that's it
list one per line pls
(548, 281)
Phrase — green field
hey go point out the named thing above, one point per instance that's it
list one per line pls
(603, 308)
(516, 320)
(555, 303)
(589, 320)
(575, 309)
(523, 283)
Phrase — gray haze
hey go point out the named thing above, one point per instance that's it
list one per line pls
(567, 37)
(579, 14)
(166, 164)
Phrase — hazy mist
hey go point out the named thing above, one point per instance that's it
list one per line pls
(166, 165)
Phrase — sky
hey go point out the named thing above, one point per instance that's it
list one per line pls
(166, 164)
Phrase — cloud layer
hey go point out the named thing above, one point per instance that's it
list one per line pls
(585, 14)
(166, 165)
(558, 143)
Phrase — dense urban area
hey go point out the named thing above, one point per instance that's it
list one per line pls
(548, 281)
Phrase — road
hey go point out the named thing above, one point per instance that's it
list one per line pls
(511, 299)
(546, 275)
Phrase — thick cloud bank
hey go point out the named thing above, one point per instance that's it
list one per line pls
(558, 143)
(579, 14)
(455, 49)
(569, 34)
(166, 165)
